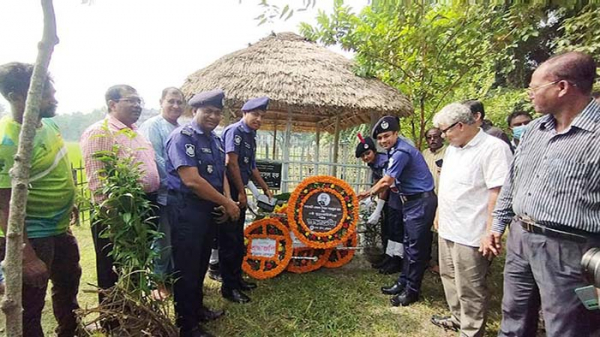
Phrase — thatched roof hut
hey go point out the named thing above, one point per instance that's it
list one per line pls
(306, 82)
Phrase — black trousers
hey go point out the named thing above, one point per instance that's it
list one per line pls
(231, 248)
(393, 225)
(193, 230)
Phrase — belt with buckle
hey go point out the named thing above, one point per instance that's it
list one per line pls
(411, 197)
(556, 231)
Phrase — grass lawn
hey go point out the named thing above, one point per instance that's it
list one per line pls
(328, 302)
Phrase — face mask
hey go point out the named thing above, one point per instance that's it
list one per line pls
(517, 131)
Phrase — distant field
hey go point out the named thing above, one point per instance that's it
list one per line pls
(74, 153)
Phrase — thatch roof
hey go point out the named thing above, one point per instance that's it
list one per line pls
(309, 81)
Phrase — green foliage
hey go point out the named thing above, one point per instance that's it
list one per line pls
(273, 12)
(437, 53)
(581, 32)
(127, 215)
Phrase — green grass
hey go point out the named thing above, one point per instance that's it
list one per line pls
(74, 153)
(328, 302)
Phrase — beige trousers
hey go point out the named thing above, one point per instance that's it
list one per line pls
(463, 271)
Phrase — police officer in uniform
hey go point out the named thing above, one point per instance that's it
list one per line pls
(196, 182)
(240, 146)
(391, 228)
(408, 171)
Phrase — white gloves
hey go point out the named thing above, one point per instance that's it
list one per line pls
(376, 213)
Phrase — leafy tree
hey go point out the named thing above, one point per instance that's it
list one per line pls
(426, 51)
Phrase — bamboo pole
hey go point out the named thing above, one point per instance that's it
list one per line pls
(13, 263)
(336, 143)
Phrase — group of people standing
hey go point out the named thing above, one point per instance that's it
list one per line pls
(195, 179)
(471, 190)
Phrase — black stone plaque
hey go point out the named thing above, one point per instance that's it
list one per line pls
(322, 212)
(270, 171)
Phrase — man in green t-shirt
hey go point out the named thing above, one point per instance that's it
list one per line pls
(50, 250)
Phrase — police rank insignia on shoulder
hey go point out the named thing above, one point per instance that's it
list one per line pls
(237, 139)
(205, 150)
(186, 132)
(384, 125)
(190, 149)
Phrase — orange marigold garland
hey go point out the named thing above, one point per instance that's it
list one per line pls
(300, 266)
(340, 257)
(335, 188)
(268, 247)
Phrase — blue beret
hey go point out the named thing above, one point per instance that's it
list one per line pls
(386, 123)
(259, 103)
(208, 98)
(361, 148)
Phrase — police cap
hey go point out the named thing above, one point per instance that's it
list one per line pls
(259, 103)
(386, 123)
(365, 146)
(208, 98)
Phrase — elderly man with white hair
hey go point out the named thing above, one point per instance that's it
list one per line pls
(475, 166)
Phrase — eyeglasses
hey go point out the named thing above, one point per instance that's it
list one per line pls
(448, 128)
(132, 100)
(531, 90)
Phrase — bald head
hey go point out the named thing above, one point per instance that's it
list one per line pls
(575, 67)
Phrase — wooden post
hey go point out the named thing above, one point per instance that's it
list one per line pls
(275, 140)
(336, 141)
(286, 153)
(227, 114)
(317, 157)
(20, 173)
(374, 119)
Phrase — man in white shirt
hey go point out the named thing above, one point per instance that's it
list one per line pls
(475, 166)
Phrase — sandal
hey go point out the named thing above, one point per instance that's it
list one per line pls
(445, 322)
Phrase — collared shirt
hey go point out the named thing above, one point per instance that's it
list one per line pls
(51, 191)
(241, 140)
(430, 158)
(468, 175)
(189, 146)
(408, 168)
(555, 177)
(102, 136)
(157, 130)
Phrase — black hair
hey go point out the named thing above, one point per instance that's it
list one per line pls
(115, 92)
(515, 115)
(475, 106)
(575, 67)
(15, 77)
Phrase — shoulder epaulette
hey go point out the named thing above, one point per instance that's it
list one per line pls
(186, 131)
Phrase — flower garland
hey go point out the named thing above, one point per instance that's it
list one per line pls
(300, 266)
(340, 257)
(338, 189)
(261, 267)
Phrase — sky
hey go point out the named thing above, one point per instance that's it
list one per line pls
(148, 44)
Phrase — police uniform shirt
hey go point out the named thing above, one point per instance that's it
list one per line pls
(378, 165)
(241, 140)
(408, 168)
(188, 145)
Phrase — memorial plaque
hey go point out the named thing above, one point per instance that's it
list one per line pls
(263, 247)
(322, 212)
(270, 171)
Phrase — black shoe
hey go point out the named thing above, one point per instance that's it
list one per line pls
(386, 258)
(405, 298)
(214, 273)
(445, 322)
(195, 332)
(393, 266)
(247, 286)
(235, 295)
(207, 315)
(394, 289)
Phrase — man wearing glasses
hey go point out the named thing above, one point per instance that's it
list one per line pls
(118, 128)
(553, 193)
(475, 167)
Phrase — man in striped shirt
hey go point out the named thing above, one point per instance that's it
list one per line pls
(553, 194)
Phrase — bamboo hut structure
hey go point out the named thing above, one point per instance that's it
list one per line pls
(311, 88)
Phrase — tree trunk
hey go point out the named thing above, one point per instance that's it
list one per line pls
(13, 263)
